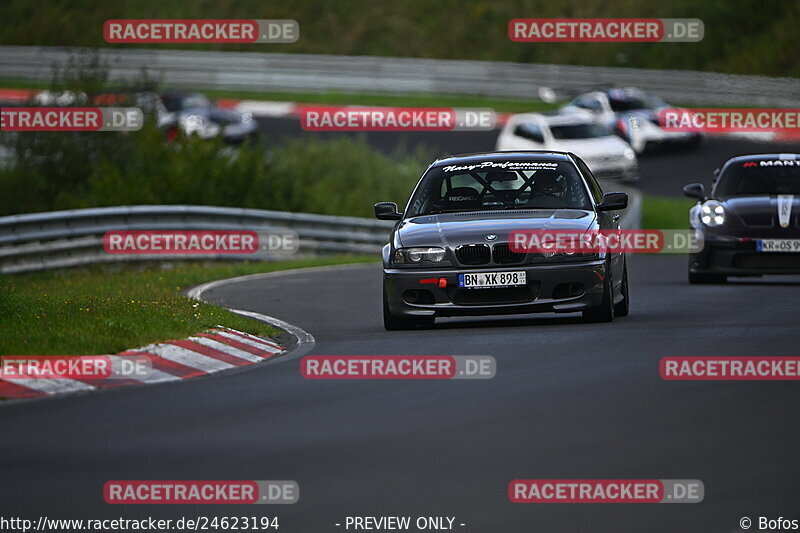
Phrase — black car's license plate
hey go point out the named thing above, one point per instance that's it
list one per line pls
(483, 280)
(778, 245)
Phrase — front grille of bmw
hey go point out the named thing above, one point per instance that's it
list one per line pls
(482, 254)
(498, 254)
(502, 255)
(473, 254)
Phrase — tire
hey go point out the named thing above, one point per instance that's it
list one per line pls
(624, 307)
(396, 323)
(706, 278)
(605, 311)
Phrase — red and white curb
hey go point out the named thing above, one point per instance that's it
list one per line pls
(212, 351)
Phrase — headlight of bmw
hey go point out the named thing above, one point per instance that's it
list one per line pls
(569, 256)
(552, 252)
(415, 256)
(712, 214)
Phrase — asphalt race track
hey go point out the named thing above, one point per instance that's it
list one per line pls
(664, 171)
(570, 400)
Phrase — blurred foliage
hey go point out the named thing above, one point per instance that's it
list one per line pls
(344, 176)
(741, 36)
(70, 170)
(75, 170)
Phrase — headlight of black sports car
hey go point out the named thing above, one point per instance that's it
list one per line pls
(712, 214)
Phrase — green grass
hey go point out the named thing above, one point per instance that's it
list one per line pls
(15, 83)
(511, 105)
(502, 105)
(106, 310)
(665, 213)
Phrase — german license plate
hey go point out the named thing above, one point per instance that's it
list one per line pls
(483, 280)
(778, 245)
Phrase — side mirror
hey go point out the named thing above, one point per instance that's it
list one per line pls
(387, 211)
(695, 190)
(525, 133)
(613, 201)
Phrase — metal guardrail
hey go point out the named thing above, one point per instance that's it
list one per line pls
(304, 72)
(60, 239)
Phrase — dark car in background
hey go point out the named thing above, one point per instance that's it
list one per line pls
(189, 113)
(750, 222)
(450, 255)
(196, 114)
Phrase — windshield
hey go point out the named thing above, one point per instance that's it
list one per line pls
(185, 101)
(493, 185)
(588, 130)
(762, 178)
(629, 102)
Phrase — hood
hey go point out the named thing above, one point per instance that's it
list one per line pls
(601, 149)
(454, 229)
(762, 211)
(646, 114)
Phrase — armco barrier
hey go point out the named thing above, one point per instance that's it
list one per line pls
(258, 71)
(60, 239)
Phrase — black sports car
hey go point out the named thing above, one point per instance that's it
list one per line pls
(750, 223)
(449, 253)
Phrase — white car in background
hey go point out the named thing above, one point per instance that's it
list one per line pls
(634, 115)
(608, 156)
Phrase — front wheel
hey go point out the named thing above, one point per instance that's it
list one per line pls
(393, 322)
(605, 311)
(624, 307)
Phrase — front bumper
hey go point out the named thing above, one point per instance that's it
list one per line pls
(736, 257)
(659, 137)
(626, 173)
(549, 288)
(239, 132)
